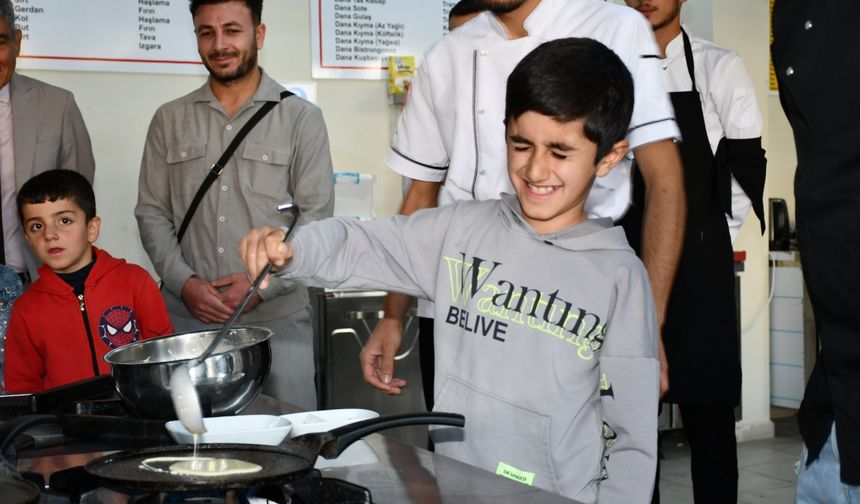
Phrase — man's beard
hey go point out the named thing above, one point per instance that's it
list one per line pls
(669, 18)
(501, 6)
(246, 66)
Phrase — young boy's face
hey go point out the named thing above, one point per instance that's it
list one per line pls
(551, 165)
(59, 233)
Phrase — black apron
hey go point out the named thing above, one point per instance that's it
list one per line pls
(700, 331)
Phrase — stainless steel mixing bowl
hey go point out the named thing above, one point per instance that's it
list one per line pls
(227, 381)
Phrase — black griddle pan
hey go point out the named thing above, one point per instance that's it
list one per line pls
(292, 459)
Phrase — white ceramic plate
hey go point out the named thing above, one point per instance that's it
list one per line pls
(325, 420)
(246, 429)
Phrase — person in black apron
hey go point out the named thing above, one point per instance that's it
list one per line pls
(700, 333)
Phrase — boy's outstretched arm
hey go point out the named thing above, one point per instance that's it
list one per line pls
(396, 254)
(263, 245)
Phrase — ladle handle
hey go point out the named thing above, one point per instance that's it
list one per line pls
(292, 208)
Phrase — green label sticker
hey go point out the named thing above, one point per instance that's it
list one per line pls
(510, 472)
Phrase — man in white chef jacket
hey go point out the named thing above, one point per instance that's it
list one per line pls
(724, 172)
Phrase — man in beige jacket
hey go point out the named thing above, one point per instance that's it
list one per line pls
(41, 129)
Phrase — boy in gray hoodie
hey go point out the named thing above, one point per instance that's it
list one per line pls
(546, 335)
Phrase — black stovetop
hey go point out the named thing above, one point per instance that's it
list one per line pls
(76, 486)
(403, 474)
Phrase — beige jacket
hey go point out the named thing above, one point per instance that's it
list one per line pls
(49, 133)
(285, 158)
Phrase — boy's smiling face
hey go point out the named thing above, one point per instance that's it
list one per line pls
(552, 167)
(59, 234)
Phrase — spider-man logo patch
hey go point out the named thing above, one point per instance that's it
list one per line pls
(118, 326)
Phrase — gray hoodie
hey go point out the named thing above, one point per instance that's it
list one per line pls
(546, 343)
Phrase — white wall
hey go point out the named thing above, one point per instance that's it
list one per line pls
(782, 158)
(117, 108)
(697, 16)
(742, 25)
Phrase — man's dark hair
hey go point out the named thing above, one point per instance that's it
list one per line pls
(256, 7)
(7, 13)
(574, 78)
(466, 7)
(53, 185)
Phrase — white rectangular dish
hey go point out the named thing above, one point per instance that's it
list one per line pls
(325, 420)
(246, 429)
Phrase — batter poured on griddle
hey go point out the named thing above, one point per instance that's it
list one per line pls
(208, 467)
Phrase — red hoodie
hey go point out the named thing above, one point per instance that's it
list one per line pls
(47, 343)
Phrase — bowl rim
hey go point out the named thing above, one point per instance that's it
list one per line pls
(110, 357)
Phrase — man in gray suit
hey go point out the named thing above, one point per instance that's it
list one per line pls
(41, 129)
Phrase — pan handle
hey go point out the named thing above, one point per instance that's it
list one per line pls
(10, 429)
(348, 434)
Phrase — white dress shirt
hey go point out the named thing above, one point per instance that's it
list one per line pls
(12, 238)
(728, 102)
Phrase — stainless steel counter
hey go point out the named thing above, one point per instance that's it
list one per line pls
(406, 474)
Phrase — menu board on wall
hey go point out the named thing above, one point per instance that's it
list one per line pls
(151, 36)
(352, 39)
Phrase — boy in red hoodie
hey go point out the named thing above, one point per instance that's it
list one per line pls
(85, 302)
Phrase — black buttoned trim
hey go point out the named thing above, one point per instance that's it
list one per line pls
(418, 162)
(650, 123)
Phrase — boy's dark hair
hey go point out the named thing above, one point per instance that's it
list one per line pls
(256, 7)
(465, 7)
(573, 78)
(53, 185)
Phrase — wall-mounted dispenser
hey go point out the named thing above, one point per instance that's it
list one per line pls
(401, 70)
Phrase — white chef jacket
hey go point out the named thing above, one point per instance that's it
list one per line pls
(728, 102)
(452, 130)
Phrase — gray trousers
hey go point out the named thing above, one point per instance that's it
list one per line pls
(292, 376)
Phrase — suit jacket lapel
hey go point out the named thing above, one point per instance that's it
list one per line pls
(24, 115)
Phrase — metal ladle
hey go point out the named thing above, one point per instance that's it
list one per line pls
(186, 401)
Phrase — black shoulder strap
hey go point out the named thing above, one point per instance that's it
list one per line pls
(218, 167)
(688, 55)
